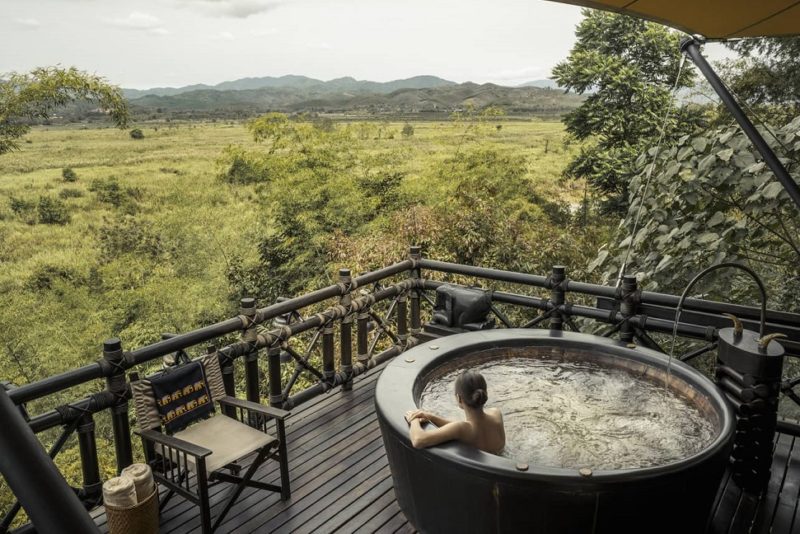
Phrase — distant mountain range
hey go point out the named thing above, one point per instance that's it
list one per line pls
(302, 94)
(303, 83)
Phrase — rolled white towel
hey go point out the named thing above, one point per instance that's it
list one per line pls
(142, 478)
(119, 492)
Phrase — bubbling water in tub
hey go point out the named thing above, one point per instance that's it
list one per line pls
(576, 414)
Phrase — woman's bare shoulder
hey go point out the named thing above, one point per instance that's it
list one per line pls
(494, 412)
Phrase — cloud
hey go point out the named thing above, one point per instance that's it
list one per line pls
(264, 32)
(319, 46)
(516, 74)
(224, 36)
(28, 23)
(240, 9)
(137, 21)
(141, 22)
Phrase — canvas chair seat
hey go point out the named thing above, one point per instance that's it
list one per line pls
(228, 439)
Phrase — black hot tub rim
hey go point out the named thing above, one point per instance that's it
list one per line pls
(400, 383)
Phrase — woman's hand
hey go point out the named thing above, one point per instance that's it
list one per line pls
(423, 416)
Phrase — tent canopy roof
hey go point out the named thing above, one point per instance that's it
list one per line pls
(713, 19)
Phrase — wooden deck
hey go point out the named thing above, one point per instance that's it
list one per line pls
(341, 481)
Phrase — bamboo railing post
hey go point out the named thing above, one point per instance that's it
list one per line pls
(346, 332)
(557, 296)
(629, 297)
(117, 386)
(402, 320)
(274, 369)
(249, 335)
(90, 467)
(328, 365)
(362, 337)
(415, 252)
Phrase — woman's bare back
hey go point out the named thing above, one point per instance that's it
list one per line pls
(486, 432)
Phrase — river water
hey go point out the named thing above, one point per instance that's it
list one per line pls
(576, 414)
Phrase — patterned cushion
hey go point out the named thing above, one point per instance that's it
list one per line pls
(182, 396)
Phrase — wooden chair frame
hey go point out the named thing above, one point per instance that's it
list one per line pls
(171, 467)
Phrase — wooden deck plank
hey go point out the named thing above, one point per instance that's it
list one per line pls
(315, 517)
(762, 522)
(377, 522)
(787, 499)
(326, 494)
(726, 507)
(743, 516)
(368, 512)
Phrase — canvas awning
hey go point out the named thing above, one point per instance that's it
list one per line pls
(713, 19)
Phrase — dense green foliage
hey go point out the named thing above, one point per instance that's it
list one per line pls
(768, 74)
(712, 200)
(323, 194)
(35, 95)
(628, 67)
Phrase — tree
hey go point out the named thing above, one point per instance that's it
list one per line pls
(628, 67)
(25, 98)
(768, 73)
(714, 201)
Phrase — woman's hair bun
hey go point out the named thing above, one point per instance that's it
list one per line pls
(471, 387)
(479, 397)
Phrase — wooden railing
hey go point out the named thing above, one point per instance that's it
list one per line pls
(383, 310)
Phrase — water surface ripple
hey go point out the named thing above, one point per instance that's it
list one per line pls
(579, 414)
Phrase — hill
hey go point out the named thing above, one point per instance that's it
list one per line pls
(303, 83)
(347, 98)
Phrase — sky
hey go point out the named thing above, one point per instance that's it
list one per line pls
(153, 43)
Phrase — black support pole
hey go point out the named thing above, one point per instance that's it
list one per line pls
(628, 307)
(35, 480)
(691, 47)
(116, 385)
(557, 296)
(248, 309)
(90, 466)
(346, 331)
(415, 253)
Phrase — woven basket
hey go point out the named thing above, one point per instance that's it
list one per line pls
(139, 519)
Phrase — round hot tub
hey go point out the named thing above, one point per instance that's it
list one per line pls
(456, 488)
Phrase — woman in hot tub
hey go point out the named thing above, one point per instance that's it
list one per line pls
(481, 428)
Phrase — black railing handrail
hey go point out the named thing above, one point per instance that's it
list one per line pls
(597, 290)
(102, 368)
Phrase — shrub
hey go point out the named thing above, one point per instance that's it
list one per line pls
(110, 191)
(69, 175)
(44, 276)
(240, 167)
(70, 192)
(52, 211)
(130, 235)
(136, 133)
(20, 206)
(408, 131)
